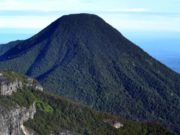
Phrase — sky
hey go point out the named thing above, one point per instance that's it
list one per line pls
(151, 24)
(138, 15)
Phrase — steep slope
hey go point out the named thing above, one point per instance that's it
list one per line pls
(29, 111)
(14, 111)
(5, 47)
(83, 58)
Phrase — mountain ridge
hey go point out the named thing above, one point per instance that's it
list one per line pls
(26, 110)
(85, 59)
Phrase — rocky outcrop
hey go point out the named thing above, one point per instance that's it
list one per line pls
(11, 120)
(33, 84)
(27, 131)
(114, 123)
(13, 117)
(8, 86)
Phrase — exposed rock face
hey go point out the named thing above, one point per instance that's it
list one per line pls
(12, 118)
(115, 124)
(7, 86)
(34, 84)
(11, 121)
(27, 131)
(118, 125)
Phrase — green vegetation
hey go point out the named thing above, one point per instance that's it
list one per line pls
(13, 75)
(23, 97)
(56, 114)
(44, 107)
(83, 58)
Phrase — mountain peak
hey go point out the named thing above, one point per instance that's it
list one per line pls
(81, 17)
(84, 28)
(82, 57)
(77, 23)
(77, 20)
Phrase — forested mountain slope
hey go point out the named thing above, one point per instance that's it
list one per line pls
(85, 59)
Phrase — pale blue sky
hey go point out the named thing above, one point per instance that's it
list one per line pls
(126, 15)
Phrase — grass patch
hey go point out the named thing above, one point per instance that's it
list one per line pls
(44, 107)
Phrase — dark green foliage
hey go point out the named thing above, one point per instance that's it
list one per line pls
(55, 114)
(10, 75)
(6, 47)
(44, 107)
(23, 98)
(83, 58)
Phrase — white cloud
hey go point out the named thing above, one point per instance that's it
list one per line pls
(120, 21)
(35, 22)
(67, 5)
(143, 22)
(42, 5)
(118, 13)
(129, 10)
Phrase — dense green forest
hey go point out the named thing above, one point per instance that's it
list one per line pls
(55, 114)
(83, 58)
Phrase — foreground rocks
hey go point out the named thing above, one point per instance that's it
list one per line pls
(11, 120)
